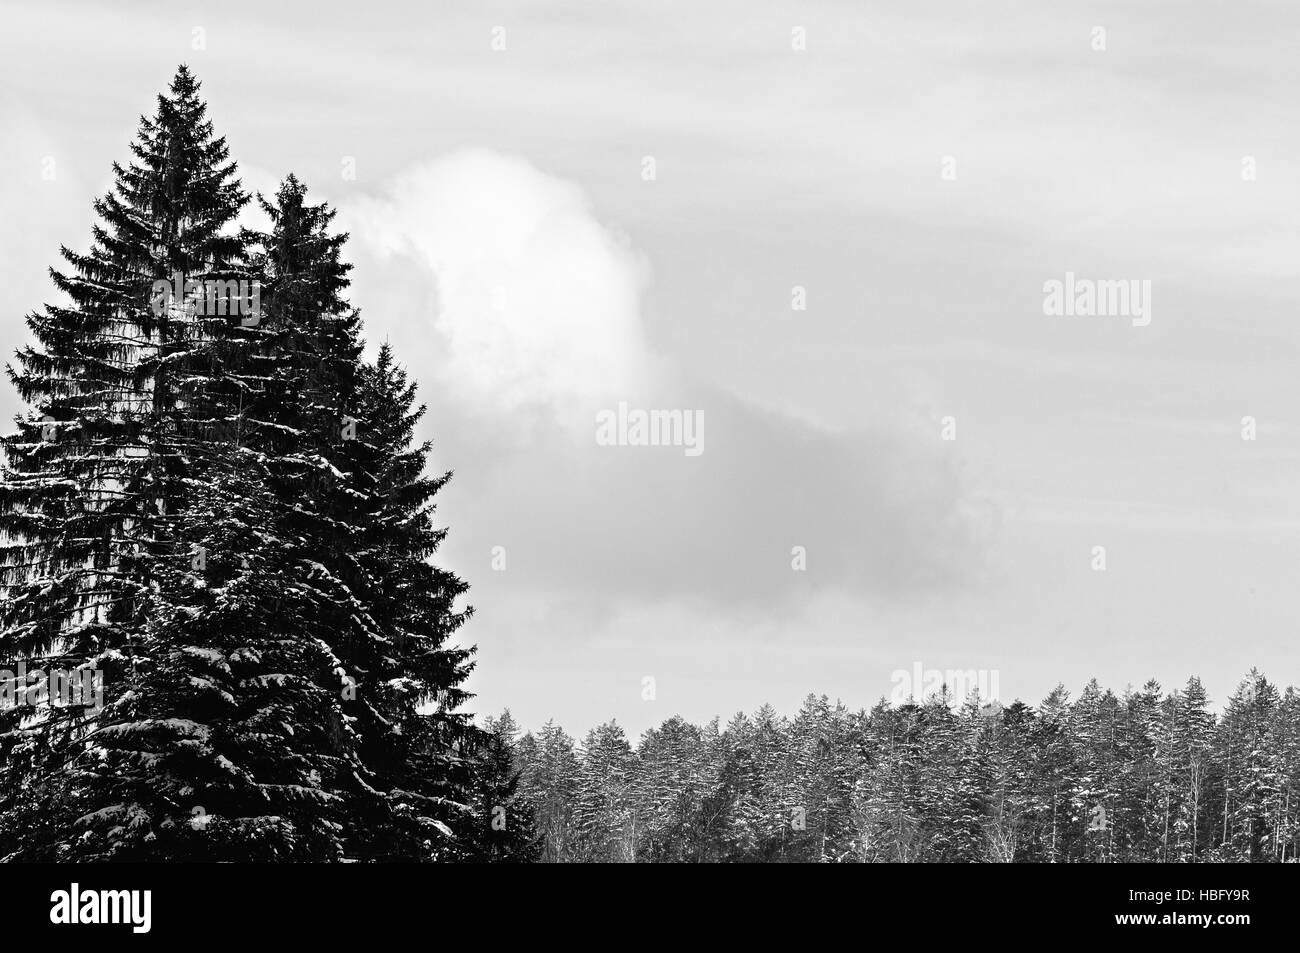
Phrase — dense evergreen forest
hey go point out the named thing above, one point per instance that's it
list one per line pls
(1146, 776)
(217, 506)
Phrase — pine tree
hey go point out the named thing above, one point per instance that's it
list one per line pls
(416, 747)
(103, 474)
(1143, 739)
(1252, 776)
(1286, 743)
(887, 799)
(1055, 775)
(96, 470)
(189, 510)
(822, 770)
(356, 510)
(679, 778)
(771, 755)
(549, 782)
(502, 828)
(223, 748)
(1095, 808)
(1006, 753)
(605, 801)
(740, 778)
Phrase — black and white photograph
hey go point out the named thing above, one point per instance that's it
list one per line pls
(457, 434)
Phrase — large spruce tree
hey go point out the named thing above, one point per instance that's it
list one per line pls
(225, 515)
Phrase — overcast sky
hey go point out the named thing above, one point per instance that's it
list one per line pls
(921, 171)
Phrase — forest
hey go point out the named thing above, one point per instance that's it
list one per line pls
(1146, 776)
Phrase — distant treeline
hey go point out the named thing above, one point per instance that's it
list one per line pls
(1145, 776)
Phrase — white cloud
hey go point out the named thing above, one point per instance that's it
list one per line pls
(537, 302)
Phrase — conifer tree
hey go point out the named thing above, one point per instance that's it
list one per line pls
(122, 383)
(605, 802)
(741, 778)
(355, 509)
(1286, 742)
(1193, 751)
(223, 511)
(502, 828)
(549, 781)
(678, 779)
(116, 380)
(223, 747)
(1251, 773)
(416, 747)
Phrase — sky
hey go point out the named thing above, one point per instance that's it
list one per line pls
(825, 234)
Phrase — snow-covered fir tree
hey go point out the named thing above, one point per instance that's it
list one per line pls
(219, 507)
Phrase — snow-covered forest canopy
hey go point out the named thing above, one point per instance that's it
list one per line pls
(1147, 776)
